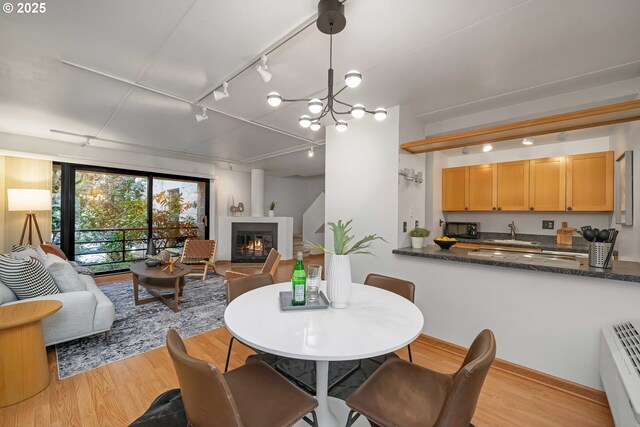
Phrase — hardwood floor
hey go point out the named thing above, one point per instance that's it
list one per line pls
(118, 393)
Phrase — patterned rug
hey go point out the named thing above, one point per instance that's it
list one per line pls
(138, 329)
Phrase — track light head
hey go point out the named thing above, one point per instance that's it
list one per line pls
(487, 147)
(527, 141)
(218, 95)
(310, 152)
(86, 142)
(262, 69)
(202, 115)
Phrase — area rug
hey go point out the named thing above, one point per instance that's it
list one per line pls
(141, 328)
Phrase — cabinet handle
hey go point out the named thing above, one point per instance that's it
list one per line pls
(494, 208)
(466, 209)
(569, 208)
(499, 209)
(531, 208)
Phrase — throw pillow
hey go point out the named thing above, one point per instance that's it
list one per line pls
(28, 251)
(27, 278)
(52, 248)
(63, 274)
(6, 295)
(81, 269)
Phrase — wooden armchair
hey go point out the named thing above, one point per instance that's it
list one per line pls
(270, 266)
(199, 252)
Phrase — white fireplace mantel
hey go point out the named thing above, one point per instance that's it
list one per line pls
(285, 234)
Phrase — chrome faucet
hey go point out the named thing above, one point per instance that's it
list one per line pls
(512, 226)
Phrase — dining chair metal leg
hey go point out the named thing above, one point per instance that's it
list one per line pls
(314, 422)
(351, 420)
(226, 365)
(410, 357)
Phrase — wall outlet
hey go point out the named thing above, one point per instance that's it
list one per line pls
(404, 226)
(416, 223)
(548, 225)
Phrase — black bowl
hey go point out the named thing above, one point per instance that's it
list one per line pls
(445, 244)
(152, 262)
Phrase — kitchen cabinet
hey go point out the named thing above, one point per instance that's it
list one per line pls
(483, 187)
(513, 186)
(547, 179)
(455, 189)
(590, 182)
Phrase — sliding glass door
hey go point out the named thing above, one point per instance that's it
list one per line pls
(105, 217)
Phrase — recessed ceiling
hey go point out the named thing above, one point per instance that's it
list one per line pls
(440, 59)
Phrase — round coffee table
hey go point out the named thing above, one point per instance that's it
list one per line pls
(155, 280)
(23, 357)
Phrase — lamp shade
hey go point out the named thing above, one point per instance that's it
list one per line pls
(23, 199)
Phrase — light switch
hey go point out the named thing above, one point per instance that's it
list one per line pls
(404, 226)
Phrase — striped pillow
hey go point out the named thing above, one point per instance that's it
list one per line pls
(27, 278)
(26, 251)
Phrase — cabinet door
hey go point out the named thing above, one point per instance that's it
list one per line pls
(483, 187)
(513, 186)
(590, 182)
(547, 179)
(455, 189)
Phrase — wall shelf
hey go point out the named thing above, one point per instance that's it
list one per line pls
(581, 119)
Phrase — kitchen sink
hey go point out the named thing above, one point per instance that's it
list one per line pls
(532, 258)
(514, 242)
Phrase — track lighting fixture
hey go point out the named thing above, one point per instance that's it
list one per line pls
(218, 95)
(262, 69)
(486, 148)
(563, 136)
(527, 141)
(331, 20)
(86, 142)
(202, 115)
(466, 150)
(310, 152)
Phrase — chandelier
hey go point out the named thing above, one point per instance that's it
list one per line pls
(331, 20)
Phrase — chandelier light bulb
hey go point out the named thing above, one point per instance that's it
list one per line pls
(315, 106)
(380, 114)
(487, 147)
(341, 125)
(310, 153)
(357, 111)
(352, 78)
(305, 121)
(274, 99)
(315, 126)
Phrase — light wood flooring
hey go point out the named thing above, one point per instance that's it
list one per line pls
(116, 394)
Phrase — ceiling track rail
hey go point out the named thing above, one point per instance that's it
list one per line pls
(181, 99)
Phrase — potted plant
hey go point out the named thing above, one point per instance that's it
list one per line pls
(417, 237)
(339, 266)
(272, 208)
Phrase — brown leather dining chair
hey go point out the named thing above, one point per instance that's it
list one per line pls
(404, 288)
(240, 286)
(254, 395)
(400, 393)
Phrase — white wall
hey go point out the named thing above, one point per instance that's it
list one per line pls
(627, 137)
(294, 194)
(531, 222)
(544, 321)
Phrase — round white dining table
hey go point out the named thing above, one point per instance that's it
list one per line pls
(375, 322)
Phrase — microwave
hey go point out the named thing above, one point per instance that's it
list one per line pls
(467, 230)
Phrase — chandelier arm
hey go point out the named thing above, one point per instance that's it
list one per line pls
(296, 100)
(340, 91)
(343, 103)
(346, 113)
(334, 117)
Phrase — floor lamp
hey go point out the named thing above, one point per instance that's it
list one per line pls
(22, 199)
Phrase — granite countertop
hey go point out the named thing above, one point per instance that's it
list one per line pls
(546, 242)
(622, 270)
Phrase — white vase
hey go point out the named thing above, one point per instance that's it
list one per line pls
(339, 280)
(272, 213)
(417, 242)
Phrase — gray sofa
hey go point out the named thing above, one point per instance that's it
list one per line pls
(83, 313)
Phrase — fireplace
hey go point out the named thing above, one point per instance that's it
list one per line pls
(252, 241)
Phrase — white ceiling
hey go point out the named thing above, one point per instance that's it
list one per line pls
(440, 59)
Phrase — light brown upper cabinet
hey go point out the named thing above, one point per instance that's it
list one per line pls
(455, 189)
(513, 186)
(483, 187)
(547, 179)
(590, 182)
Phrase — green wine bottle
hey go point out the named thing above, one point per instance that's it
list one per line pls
(299, 282)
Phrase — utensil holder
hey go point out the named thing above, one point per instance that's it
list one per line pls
(598, 252)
